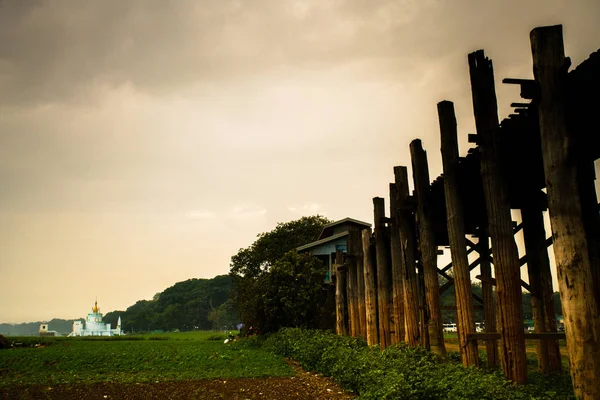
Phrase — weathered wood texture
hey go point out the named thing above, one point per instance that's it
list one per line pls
(506, 256)
(423, 312)
(383, 275)
(340, 295)
(397, 274)
(456, 234)
(407, 238)
(575, 278)
(428, 247)
(351, 298)
(540, 282)
(370, 293)
(591, 218)
(355, 247)
(489, 304)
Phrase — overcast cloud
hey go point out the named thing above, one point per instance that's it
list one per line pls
(144, 142)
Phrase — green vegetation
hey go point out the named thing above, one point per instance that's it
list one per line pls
(177, 356)
(401, 372)
(276, 287)
(189, 305)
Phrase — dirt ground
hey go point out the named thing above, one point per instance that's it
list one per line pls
(304, 385)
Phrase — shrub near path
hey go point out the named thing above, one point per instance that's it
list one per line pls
(401, 372)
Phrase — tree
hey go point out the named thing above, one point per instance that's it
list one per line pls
(250, 267)
(291, 292)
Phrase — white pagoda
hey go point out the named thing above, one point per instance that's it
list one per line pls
(94, 326)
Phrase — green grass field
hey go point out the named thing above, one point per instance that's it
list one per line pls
(145, 358)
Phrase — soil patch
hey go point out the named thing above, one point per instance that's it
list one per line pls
(304, 385)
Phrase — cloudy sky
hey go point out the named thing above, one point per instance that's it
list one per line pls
(143, 142)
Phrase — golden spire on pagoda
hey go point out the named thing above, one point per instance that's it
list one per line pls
(95, 308)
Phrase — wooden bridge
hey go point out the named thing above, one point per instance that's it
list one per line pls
(539, 158)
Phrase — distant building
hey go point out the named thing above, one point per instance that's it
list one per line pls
(94, 326)
(44, 331)
(333, 237)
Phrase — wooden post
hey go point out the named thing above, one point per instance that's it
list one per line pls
(506, 258)
(407, 238)
(423, 311)
(489, 306)
(428, 247)
(456, 234)
(355, 245)
(383, 276)
(397, 274)
(370, 294)
(540, 281)
(340, 286)
(575, 279)
(351, 299)
(591, 219)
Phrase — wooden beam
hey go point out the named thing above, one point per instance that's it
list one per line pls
(383, 275)
(397, 274)
(428, 247)
(456, 233)
(506, 257)
(370, 293)
(407, 238)
(574, 270)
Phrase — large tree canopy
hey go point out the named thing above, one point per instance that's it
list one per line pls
(271, 246)
(273, 285)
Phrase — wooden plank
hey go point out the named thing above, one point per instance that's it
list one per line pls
(574, 270)
(397, 274)
(407, 238)
(428, 247)
(456, 233)
(383, 275)
(504, 248)
(370, 293)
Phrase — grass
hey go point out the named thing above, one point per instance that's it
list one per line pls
(144, 358)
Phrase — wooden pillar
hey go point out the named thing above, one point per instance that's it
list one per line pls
(407, 238)
(506, 258)
(487, 289)
(355, 246)
(370, 293)
(540, 282)
(575, 278)
(591, 219)
(397, 274)
(351, 299)
(423, 311)
(456, 234)
(383, 276)
(428, 247)
(340, 298)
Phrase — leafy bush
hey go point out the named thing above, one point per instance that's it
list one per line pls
(403, 372)
(217, 336)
